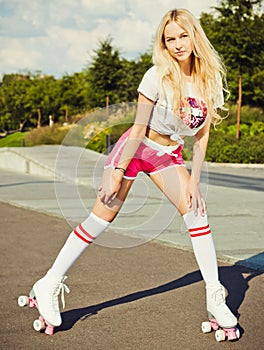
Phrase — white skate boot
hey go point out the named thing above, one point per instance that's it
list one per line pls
(46, 291)
(219, 314)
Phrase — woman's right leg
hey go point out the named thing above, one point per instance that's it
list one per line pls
(47, 289)
(85, 233)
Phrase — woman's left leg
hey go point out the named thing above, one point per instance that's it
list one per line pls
(173, 183)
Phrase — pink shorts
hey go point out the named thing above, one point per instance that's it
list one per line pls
(150, 157)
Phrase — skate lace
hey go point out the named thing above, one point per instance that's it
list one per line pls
(61, 287)
(219, 296)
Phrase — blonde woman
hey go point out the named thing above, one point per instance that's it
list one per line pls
(178, 97)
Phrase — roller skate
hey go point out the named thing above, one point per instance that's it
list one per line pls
(44, 296)
(221, 319)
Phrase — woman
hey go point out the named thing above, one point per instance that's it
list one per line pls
(178, 97)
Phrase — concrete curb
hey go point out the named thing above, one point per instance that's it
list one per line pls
(16, 160)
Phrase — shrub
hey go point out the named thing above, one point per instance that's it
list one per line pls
(257, 128)
(225, 148)
(54, 135)
(248, 115)
(98, 141)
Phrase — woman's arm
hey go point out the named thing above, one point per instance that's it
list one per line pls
(194, 196)
(138, 131)
(110, 186)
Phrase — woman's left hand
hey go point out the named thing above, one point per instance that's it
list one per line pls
(194, 198)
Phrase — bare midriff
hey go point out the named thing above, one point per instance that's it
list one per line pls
(163, 140)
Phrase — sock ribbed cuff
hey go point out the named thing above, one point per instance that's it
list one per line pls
(90, 228)
(196, 224)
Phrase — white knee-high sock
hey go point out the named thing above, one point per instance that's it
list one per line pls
(79, 239)
(203, 246)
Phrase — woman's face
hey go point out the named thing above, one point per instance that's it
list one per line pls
(178, 43)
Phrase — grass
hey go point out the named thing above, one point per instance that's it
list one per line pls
(13, 140)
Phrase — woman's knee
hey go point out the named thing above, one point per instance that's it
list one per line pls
(107, 212)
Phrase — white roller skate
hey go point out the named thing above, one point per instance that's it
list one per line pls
(44, 296)
(221, 319)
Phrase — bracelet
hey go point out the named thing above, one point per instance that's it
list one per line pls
(121, 169)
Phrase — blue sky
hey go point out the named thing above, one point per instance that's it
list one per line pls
(58, 37)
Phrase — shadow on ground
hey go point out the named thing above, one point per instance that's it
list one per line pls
(235, 278)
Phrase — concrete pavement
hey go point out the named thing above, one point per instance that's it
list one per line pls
(62, 181)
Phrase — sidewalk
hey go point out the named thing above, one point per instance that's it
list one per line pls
(62, 181)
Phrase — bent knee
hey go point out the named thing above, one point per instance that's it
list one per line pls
(107, 212)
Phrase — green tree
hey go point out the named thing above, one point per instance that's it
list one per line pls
(75, 93)
(34, 97)
(42, 99)
(237, 34)
(132, 73)
(105, 75)
(13, 93)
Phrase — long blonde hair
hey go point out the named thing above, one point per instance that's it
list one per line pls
(207, 69)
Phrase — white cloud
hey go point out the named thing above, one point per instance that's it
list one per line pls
(19, 53)
(58, 36)
(104, 8)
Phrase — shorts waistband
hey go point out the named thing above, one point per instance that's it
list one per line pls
(159, 147)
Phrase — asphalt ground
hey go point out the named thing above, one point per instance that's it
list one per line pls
(149, 296)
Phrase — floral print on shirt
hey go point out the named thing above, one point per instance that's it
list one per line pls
(195, 115)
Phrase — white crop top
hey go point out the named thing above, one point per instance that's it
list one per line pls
(163, 120)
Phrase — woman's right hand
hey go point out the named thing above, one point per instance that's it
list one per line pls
(110, 185)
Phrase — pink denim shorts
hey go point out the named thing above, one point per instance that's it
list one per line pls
(149, 158)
